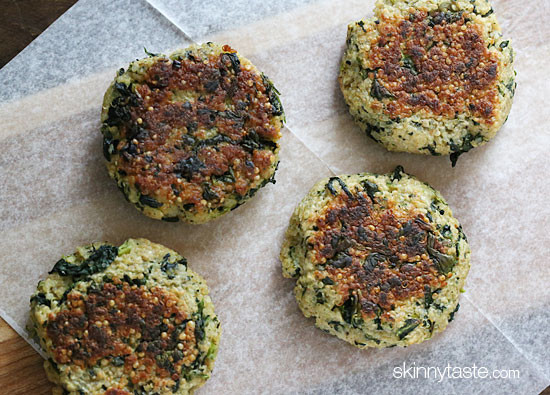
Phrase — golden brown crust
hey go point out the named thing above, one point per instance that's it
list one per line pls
(165, 149)
(438, 63)
(116, 391)
(374, 253)
(106, 322)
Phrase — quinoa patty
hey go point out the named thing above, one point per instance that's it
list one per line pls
(126, 320)
(192, 135)
(429, 77)
(379, 260)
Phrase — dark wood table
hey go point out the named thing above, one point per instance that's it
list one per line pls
(21, 21)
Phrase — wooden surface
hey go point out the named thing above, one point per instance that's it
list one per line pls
(21, 21)
(21, 369)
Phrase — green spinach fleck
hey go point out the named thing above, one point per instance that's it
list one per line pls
(444, 262)
(320, 296)
(466, 146)
(200, 321)
(327, 281)
(168, 267)
(134, 281)
(207, 192)
(149, 201)
(118, 361)
(337, 325)
(40, 298)
(452, 315)
(379, 91)
(233, 60)
(370, 187)
(373, 259)
(428, 298)
(273, 94)
(349, 308)
(410, 325)
(329, 185)
(340, 260)
(98, 261)
(397, 173)
(408, 63)
(150, 54)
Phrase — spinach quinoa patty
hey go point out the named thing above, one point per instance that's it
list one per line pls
(191, 135)
(429, 76)
(379, 260)
(128, 320)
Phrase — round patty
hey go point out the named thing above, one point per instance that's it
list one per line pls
(429, 77)
(127, 320)
(193, 135)
(379, 260)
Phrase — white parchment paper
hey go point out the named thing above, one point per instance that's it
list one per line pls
(56, 194)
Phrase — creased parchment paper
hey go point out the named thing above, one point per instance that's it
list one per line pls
(56, 194)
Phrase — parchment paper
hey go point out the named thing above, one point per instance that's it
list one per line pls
(56, 194)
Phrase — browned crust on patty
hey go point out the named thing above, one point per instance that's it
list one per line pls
(437, 62)
(164, 147)
(374, 253)
(116, 391)
(110, 321)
